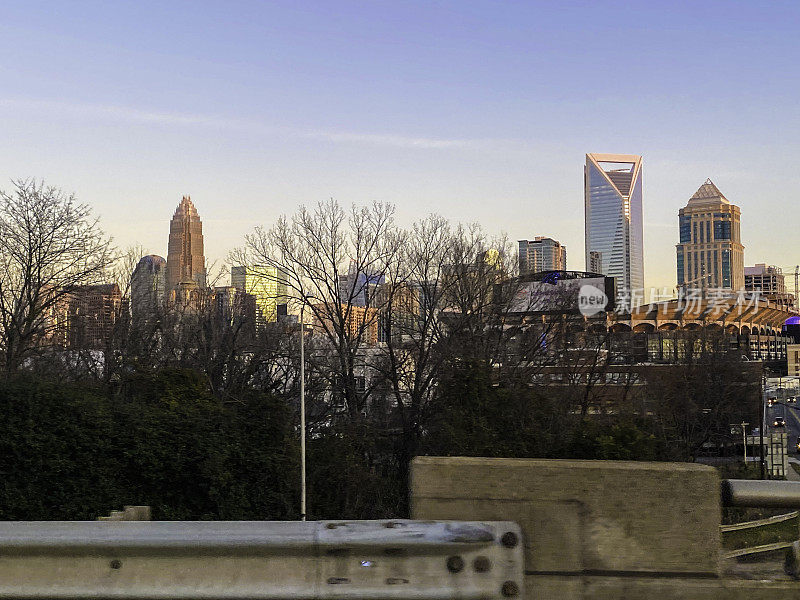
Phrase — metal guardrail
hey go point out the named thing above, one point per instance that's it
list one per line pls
(341, 560)
(765, 494)
(757, 549)
(759, 523)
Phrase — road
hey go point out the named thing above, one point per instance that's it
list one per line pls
(790, 411)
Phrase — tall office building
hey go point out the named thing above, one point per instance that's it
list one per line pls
(86, 316)
(148, 286)
(541, 254)
(613, 213)
(357, 288)
(710, 253)
(269, 287)
(185, 259)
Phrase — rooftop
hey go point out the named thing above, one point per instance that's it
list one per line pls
(707, 193)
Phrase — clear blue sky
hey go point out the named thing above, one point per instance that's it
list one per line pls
(481, 111)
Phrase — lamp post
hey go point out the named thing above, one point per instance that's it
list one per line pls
(302, 418)
(744, 441)
(763, 421)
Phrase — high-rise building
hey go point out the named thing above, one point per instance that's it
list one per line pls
(541, 254)
(360, 322)
(148, 286)
(185, 258)
(86, 316)
(357, 288)
(269, 287)
(232, 305)
(710, 253)
(770, 282)
(613, 213)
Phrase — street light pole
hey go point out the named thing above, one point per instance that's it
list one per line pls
(302, 418)
(744, 441)
(763, 422)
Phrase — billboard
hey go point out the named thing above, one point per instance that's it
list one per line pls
(587, 296)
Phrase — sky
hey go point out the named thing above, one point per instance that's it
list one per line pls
(478, 111)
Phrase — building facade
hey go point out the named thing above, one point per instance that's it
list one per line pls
(148, 286)
(541, 254)
(357, 288)
(86, 316)
(613, 218)
(710, 253)
(269, 287)
(793, 360)
(768, 279)
(233, 306)
(770, 282)
(185, 257)
(359, 323)
(595, 263)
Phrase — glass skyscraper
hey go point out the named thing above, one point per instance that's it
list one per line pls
(541, 254)
(613, 213)
(148, 286)
(268, 285)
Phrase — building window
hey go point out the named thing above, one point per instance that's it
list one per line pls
(685, 226)
(722, 229)
(726, 268)
(680, 266)
(716, 268)
(689, 264)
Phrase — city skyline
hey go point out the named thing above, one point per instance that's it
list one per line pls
(478, 113)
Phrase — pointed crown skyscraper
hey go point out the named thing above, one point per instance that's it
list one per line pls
(185, 257)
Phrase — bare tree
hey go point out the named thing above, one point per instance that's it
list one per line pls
(332, 261)
(124, 266)
(49, 245)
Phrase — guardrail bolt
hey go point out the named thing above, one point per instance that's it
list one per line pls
(115, 564)
(510, 589)
(509, 539)
(481, 564)
(455, 564)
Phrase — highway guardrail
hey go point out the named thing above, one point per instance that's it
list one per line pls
(343, 560)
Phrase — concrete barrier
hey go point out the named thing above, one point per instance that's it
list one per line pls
(596, 529)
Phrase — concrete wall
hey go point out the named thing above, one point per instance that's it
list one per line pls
(596, 529)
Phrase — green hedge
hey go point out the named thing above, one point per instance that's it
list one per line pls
(70, 452)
